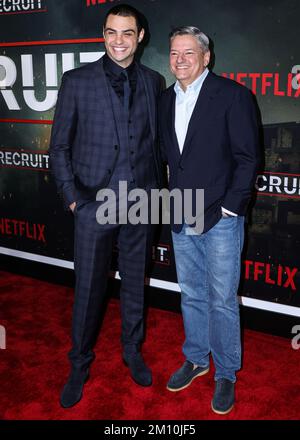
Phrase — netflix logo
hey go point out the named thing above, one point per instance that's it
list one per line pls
(22, 228)
(101, 2)
(276, 275)
(269, 83)
(97, 2)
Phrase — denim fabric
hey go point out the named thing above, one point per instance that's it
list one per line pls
(208, 270)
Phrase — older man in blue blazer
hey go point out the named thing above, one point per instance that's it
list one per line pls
(104, 132)
(209, 138)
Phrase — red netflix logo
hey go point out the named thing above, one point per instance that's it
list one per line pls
(21, 228)
(270, 274)
(97, 2)
(269, 83)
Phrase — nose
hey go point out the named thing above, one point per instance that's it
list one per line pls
(119, 38)
(180, 58)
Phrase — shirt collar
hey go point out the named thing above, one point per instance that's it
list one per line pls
(195, 86)
(113, 68)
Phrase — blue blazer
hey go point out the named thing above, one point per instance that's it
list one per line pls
(84, 139)
(220, 153)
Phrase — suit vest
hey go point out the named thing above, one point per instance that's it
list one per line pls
(135, 163)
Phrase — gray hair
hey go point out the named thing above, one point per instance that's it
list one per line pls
(202, 39)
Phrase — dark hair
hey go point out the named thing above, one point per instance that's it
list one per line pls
(124, 10)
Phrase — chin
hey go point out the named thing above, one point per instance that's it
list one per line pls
(182, 74)
(119, 59)
(182, 77)
(119, 56)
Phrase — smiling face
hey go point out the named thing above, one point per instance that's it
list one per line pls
(187, 60)
(121, 39)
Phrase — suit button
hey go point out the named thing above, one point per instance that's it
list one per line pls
(116, 147)
(130, 137)
(132, 167)
(129, 122)
(131, 152)
(132, 181)
(109, 171)
(180, 167)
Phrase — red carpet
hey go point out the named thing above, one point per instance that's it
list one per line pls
(34, 366)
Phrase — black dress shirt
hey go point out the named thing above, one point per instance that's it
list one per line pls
(116, 77)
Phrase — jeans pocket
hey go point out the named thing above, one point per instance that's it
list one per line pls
(227, 216)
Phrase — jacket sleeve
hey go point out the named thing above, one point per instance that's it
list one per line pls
(161, 115)
(63, 132)
(160, 86)
(244, 143)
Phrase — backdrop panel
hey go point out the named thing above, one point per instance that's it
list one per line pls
(255, 43)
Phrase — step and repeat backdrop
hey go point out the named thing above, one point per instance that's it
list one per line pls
(256, 43)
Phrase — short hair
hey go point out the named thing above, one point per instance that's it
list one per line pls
(124, 10)
(202, 39)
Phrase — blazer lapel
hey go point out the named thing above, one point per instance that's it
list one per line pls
(170, 118)
(172, 124)
(151, 101)
(103, 94)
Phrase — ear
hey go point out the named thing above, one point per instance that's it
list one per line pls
(141, 35)
(206, 58)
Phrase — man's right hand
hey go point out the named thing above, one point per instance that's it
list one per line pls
(72, 206)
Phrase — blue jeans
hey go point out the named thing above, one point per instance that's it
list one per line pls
(208, 271)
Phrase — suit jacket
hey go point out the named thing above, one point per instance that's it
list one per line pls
(84, 142)
(220, 153)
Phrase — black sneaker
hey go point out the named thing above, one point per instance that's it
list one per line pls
(183, 377)
(223, 399)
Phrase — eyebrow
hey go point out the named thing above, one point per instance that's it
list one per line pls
(115, 30)
(177, 50)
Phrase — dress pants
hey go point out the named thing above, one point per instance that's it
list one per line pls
(93, 249)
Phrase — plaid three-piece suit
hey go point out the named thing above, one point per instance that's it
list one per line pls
(93, 143)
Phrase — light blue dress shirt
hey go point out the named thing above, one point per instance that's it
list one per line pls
(185, 104)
